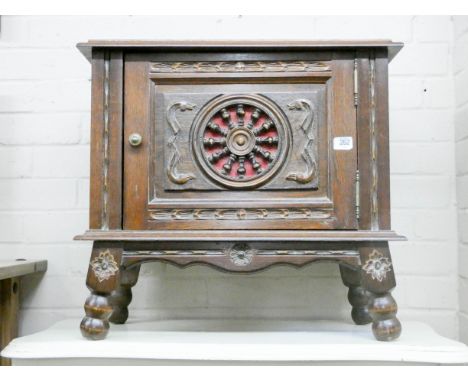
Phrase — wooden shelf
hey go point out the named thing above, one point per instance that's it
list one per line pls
(243, 235)
(287, 45)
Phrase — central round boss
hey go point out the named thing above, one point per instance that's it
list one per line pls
(240, 141)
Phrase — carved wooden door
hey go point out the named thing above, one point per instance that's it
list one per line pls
(239, 141)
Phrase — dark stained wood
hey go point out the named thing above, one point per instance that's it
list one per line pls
(121, 297)
(358, 297)
(165, 112)
(11, 273)
(383, 155)
(106, 140)
(9, 308)
(227, 235)
(232, 45)
(97, 140)
(364, 139)
(102, 279)
(336, 118)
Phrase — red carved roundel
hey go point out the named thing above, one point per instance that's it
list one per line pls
(240, 140)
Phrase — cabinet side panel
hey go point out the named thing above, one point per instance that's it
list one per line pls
(115, 141)
(373, 140)
(106, 141)
(364, 139)
(97, 139)
(383, 156)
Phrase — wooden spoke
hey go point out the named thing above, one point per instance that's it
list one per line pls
(226, 116)
(241, 170)
(256, 166)
(267, 140)
(228, 165)
(266, 154)
(210, 142)
(267, 125)
(240, 115)
(215, 128)
(218, 155)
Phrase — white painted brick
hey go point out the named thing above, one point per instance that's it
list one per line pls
(420, 125)
(463, 324)
(463, 294)
(462, 191)
(417, 192)
(361, 27)
(403, 222)
(15, 162)
(244, 291)
(48, 96)
(423, 258)
(14, 29)
(11, 230)
(421, 59)
(58, 227)
(405, 93)
(438, 93)
(436, 225)
(410, 158)
(33, 64)
(460, 24)
(67, 31)
(426, 292)
(34, 128)
(53, 292)
(86, 129)
(35, 320)
(63, 259)
(463, 260)
(83, 194)
(432, 28)
(35, 194)
(61, 162)
(48, 104)
(463, 226)
(461, 155)
(170, 293)
(461, 123)
(461, 90)
(460, 54)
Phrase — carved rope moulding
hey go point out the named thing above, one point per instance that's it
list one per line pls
(377, 265)
(239, 66)
(239, 214)
(104, 266)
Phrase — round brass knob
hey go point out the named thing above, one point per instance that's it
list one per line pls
(135, 139)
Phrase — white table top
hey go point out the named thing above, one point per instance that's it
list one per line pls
(232, 341)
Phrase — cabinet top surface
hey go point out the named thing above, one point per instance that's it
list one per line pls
(233, 45)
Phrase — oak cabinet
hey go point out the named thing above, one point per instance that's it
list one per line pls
(240, 155)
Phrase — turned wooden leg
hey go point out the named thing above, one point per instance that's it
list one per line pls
(120, 298)
(102, 280)
(358, 297)
(378, 278)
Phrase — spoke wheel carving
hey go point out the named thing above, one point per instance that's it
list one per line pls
(241, 141)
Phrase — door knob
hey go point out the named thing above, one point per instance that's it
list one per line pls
(135, 139)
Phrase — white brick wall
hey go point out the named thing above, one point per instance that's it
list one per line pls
(44, 134)
(461, 154)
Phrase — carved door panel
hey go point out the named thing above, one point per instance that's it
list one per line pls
(251, 144)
